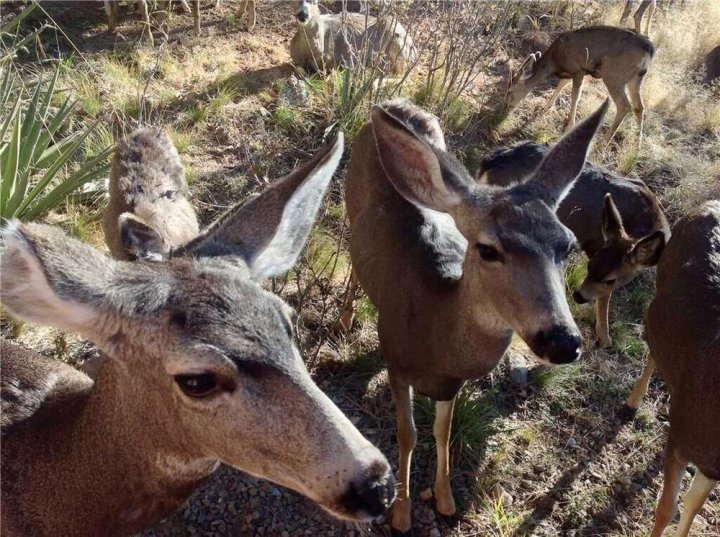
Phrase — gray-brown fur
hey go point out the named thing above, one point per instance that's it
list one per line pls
(619, 57)
(422, 240)
(683, 332)
(645, 6)
(148, 213)
(325, 41)
(712, 66)
(621, 235)
(128, 450)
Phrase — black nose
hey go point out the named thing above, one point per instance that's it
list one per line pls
(578, 298)
(372, 492)
(302, 16)
(559, 345)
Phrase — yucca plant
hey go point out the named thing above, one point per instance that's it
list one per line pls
(37, 170)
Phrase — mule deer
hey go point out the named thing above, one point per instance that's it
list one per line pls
(324, 42)
(618, 222)
(683, 332)
(148, 213)
(454, 267)
(712, 66)
(111, 10)
(201, 368)
(645, 5)
(619, 57)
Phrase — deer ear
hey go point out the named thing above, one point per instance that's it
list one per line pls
(411, 165)
(529, 65)
(563, 164)
(647, 251)
(140, 240)
(612, 226)
(268, 231)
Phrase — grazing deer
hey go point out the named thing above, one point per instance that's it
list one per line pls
(324, 42)
(455, 267)
(645, 5)
(148, 213)
(683, 332)
(618, 222)
(619, 57)
(201, 369)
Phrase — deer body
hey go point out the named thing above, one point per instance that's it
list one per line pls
(327, 41)
(148, 213)
(619, 57)
(419, 230)
(618, 222)
(201, 368)
(683, 332)
(645, 6)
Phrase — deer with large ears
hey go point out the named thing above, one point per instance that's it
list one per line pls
(201, 369)
(620, 58)
(618, 222)
(455, 267)
(148, 213)
(683, 333)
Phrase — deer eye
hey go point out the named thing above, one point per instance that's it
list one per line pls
(489, 253)
(611, 281)
(197, 385)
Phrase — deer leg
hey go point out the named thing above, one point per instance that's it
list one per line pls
(407, 436)
(602, 313)
(196, 16)
(622, 107)
(575, 97)
(146, 21)
(641, 385)
(442, 490)
(626, 11)
(348, 312)
(650, 12)
(640, 12)
(561, 85)
(111, 10)
(637, 104)
(694, 500)
(251, 15)
(667, 504)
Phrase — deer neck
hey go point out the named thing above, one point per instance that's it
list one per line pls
(122, 447)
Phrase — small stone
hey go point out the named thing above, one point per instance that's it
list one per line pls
(499, 494)
(517, 368)
(293, 92)
(435, 533)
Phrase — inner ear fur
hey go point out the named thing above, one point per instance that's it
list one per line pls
(612, 225)
(647, 251)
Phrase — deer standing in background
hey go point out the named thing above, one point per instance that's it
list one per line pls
(645, 5)
(620, 58)
(618, 222)
(201, 368)
(148, 213)
(683, 332)
(454, 267)
(324, 42)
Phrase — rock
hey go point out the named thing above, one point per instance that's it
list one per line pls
(293, 92)
(435, 533)
(499, 494)
(517, 368)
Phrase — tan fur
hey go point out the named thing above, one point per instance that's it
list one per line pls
(683, 331)
(419, 230)
(619, 57)
(147, 181)
(200, 368)
(324, 42)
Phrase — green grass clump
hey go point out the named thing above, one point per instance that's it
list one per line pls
(365, 311)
